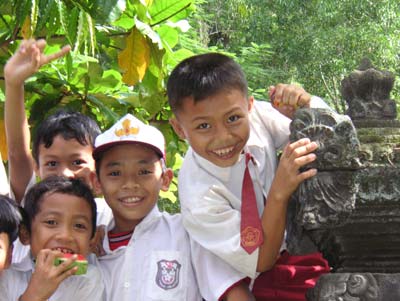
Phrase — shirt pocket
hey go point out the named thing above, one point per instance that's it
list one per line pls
(167, 278)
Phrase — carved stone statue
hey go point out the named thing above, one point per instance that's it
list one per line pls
(367, 93)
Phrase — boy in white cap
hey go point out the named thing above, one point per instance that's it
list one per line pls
(148, 253)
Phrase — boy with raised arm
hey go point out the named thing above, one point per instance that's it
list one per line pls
(63, 143)
(233, 193)
(148, 254)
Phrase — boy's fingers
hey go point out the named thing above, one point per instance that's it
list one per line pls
(41, 44)
(57, 54)
(307, 174)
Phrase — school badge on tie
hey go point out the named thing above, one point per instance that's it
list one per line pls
(168, 274)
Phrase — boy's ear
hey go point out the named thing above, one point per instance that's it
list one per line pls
(250, 103)
(24, 235)
(177, 128)
(94, 181)
(167, 177)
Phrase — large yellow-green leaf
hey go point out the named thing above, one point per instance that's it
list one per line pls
(134, 59)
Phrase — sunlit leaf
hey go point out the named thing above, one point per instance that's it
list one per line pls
(162, 10)
(134, 59)
(26, 30)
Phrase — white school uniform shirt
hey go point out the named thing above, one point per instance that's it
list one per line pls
(157, 264)
(210, 195)
(104, 215)
(15, 280)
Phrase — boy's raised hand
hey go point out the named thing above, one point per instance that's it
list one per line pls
(288, 176)
(286, 98)
(47, 277)
(28, 59)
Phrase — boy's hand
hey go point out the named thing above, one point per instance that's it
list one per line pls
(47, 277)
(28, 59)
(96, 243)
(287, 98)
(288, 175)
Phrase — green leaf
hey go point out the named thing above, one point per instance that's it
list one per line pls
(162, 10)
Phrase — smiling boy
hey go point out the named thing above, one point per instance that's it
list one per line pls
(233, 192)
(148, 252)
(60, 218)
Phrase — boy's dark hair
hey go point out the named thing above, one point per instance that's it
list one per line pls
(68, 124)
(204, 75)
(10, 217)
(56, 184)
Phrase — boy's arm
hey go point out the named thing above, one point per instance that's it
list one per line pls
(286, 181)
(25, 62)
(240, 292)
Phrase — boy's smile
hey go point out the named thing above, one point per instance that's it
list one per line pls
(131, 177)
(217, 127)
(63, 223)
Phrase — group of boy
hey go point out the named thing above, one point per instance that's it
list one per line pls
(218, 248)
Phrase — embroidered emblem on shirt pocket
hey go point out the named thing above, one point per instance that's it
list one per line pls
(167, 277)
(168, 274)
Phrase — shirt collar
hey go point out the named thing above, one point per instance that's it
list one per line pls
(140, 228)
(25, 265)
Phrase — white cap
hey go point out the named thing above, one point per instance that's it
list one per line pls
(129, 129)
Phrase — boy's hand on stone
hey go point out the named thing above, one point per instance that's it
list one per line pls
(288, 176)
(47, 277)
(28, 59)
(288, 98)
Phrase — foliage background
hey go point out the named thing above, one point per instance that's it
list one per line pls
(123, 51)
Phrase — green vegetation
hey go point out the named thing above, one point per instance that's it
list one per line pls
(123, 51)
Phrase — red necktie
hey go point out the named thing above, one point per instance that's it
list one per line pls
(251, 234)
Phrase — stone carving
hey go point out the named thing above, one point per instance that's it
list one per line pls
(335, 135)
(367, 93)
(346, 287)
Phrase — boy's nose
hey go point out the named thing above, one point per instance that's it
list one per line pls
(66, 172)
(65, 234)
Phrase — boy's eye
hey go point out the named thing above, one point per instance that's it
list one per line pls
(145, 172)
(233, 118)
(51, 163)
(203, 126)
(80, 226)
(78, 162)
(50, 222)
(114, 173)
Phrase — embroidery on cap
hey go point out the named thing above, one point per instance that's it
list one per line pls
(168, 274)
(127, 129)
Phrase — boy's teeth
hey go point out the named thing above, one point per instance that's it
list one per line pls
(223, 152)
(131, 200)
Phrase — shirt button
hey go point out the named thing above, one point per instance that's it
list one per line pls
(127, 284)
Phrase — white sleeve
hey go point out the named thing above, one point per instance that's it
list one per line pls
(214, 276)
(212, 222)
(317, 102)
